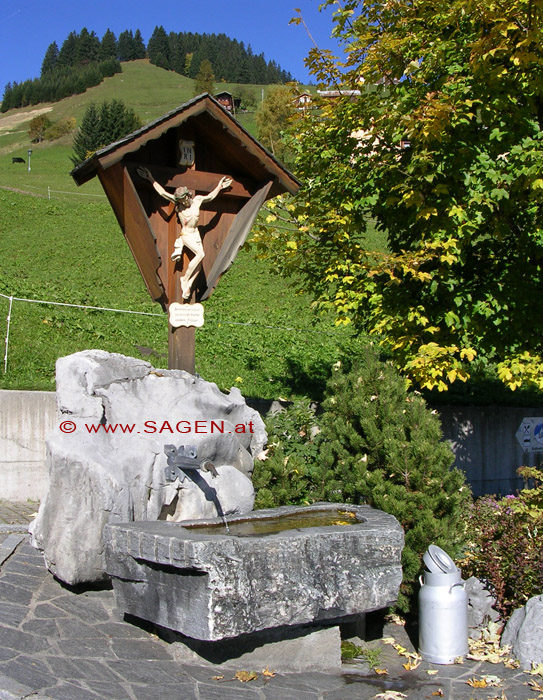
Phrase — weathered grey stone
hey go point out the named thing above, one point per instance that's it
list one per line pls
(481, 603)
(216, 586)
(523, 633)
(9, 545)
(100, 477)
(291, 650)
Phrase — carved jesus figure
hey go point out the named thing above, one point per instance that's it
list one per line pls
(187, 209)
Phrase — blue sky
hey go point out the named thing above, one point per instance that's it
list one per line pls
(27, 27)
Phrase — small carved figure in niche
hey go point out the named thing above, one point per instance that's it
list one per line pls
(187, 208)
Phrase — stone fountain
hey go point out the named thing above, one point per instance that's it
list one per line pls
(168, 517)
(294, 573)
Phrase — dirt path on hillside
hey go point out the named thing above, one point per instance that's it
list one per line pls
(12, 120)
(15, 189)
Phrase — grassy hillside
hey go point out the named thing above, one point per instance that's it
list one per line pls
(149, 90)
(69, 249)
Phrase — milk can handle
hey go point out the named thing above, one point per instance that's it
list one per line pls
(421, 581)
(460, 583)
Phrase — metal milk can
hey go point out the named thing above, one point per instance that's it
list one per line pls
(443, 609)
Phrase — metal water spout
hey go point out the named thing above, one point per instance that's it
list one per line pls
(184, 458)
(443, 609)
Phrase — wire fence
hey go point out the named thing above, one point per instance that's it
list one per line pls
(12, 298)
(49, 193)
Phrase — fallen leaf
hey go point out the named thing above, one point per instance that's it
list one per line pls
(381, 671)
(459, 660)
(411, 665)
(396, 619)
(536, 670)
(217, 678)
(388, 640)
(492, 681)
(503, 696)
(390, 695)
(488, 649)
(267, 673)
(246, 676)
(535, 685)
(474, 683)
(432, 673)
(439, 693)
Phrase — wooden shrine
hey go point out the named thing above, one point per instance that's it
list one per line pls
(194, 146)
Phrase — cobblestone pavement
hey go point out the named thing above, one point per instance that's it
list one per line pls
(16, 514)
(58, 643)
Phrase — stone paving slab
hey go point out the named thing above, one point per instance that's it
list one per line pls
(59, 643)
(17, 513)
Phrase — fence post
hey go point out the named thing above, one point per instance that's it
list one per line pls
(7, 335)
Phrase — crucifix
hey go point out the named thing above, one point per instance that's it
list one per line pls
(187, 209)
(186, 190)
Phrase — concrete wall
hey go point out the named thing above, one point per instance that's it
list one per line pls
(483, 439)
(26, 418)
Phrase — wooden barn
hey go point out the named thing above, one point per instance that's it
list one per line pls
(228, 101)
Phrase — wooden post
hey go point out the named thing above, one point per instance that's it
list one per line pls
(181, 348)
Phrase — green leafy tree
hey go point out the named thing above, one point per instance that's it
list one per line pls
(246, 96)
(87, 139)
(38, 126)
(205, 79)
(88, 47)
(272, 119)
(139, 45)
(158, 48)
(67, 55)
(443, 153)
(129, 48)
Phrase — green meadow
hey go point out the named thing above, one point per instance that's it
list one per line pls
(60, 243)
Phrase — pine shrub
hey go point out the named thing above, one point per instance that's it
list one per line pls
(381, 445)
(289, 474)
(378, 444)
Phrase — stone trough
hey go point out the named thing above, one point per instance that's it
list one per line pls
(280, 573)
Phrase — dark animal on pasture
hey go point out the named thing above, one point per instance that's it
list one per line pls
(18, 160)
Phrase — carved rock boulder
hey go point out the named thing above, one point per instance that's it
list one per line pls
(112, 466)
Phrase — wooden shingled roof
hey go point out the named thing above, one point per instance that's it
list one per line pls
(237, 147)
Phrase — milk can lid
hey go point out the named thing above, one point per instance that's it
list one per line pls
(437, 561)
